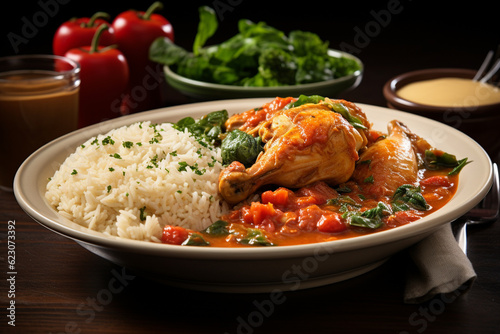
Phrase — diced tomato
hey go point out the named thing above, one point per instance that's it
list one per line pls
(267, 225)
(331, 222)
(246, 215)
(255, 116)
(309, 217)
(438, 181)
(402, 218)
(305, 201)
(174, 235)
(277, 197)
(278, 104)
(260, 212)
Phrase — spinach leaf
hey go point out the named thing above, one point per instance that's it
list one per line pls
(371, 218)
(277, 66)
(306, 43)
(164, 51)
(255, 237)
(208, 127)
(218, 228)
(346, 204)
(344, 111)
(343, 200)
(408, 196)
(458, 168)
(194, 239)
(304, 99)
(258, 55)
(435, 160)
(343, 189)
(206, 28)
(240, 146)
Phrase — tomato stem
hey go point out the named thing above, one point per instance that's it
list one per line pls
(155, 6)
(94, 46)
(94, 17)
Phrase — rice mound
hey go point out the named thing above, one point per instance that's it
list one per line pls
(134, 180)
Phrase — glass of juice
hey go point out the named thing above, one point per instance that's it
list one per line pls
(38, 103)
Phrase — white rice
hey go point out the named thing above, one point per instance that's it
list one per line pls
(112, 178)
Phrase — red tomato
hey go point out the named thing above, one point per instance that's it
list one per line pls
(104, 76)
(79, 32)
(308, 217)
(278, 197)
(134, 32)
(174, 235)
(254, 116)
(438, 181)
(261, 211)
(402, 218)
(331, 223)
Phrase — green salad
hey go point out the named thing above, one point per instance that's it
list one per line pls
(258, 56)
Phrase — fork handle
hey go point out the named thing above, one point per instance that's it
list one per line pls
(462, 237)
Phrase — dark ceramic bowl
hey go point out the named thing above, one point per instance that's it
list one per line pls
(479, 122)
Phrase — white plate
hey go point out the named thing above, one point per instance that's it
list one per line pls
(259, 269)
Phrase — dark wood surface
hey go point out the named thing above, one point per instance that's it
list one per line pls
(62, 288)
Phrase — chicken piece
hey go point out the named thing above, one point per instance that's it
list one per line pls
(303, 145)
(389, 163)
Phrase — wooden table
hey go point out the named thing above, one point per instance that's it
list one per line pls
(62, 288)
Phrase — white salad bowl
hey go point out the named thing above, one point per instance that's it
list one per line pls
(259, 269)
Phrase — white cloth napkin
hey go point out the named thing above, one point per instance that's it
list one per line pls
(439, 266)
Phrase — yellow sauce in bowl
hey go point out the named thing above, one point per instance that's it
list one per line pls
(450, 92)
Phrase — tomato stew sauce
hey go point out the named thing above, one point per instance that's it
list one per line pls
(319, 213)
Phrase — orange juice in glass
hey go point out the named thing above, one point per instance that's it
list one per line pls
(38, 103)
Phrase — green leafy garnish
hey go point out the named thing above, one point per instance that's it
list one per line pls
(458, 168)
(258, 55)
(207, 128)
(108, 141)
(127, 144)
(304, 99)
(369, 179)
(142, 213)
(340, 108)
(195, 239)
(345, 203)
(436, 160)
(115, 155)
(255, 237)
(342, 199)
(371, 218)
(240, 146)
(408, 196)
(218, 228)
(206, 28)
(343, 189)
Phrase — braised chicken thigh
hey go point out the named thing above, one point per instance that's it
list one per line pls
(390, 162)
(303, 145)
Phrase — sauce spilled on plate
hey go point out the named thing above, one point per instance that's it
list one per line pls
(450, 92)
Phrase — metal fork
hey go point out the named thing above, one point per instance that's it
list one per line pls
(486, 211)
